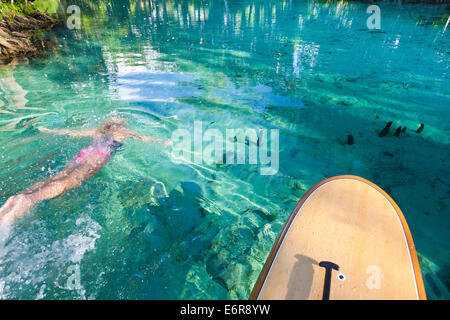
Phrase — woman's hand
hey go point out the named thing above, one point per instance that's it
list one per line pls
(45, 130)
(166, 143)
(134, 135)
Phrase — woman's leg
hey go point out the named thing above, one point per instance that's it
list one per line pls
(69, 178)
(14, 207)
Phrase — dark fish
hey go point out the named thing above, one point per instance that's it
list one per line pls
(385, 130)
(420, 128)
(397, 131)
(350, 139)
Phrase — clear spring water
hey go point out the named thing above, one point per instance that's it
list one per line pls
(145, 227)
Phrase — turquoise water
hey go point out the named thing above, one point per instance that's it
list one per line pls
(148, 228)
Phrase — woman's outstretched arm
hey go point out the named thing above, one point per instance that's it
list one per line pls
(72, 133)
(137, 136)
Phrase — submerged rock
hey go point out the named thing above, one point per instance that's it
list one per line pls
(349, 101)
(300, 186)
(265, 215)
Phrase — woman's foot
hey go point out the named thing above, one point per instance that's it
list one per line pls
(15, 207)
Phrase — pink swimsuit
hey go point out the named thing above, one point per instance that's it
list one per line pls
(84, 152)
(100, 148)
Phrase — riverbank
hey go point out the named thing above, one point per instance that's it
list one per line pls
(20, 31)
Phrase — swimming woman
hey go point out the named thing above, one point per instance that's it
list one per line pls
(105, 141)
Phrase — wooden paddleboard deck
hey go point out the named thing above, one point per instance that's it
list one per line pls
(345, 239)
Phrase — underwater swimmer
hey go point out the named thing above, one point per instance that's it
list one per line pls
(105, 141)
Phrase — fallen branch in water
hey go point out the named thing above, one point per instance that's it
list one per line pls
(16, 33)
